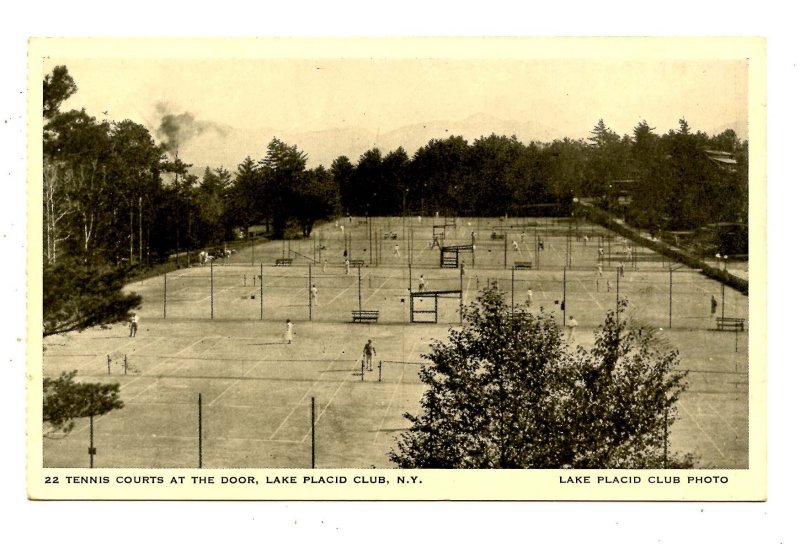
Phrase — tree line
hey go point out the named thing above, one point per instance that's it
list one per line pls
(114, 197)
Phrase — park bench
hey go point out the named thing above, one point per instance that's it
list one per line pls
(522, 265)
(390, 236)
(358, 263)
(496, 236)
(730, 323)
(365, 316)
(283, 262)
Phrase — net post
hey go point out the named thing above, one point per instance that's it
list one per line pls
(212, 289)
(362, 368)
(108, 362)
(309, 291)
(380, 371)
(125, 364)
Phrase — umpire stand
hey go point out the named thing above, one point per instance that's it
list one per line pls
(450, 256)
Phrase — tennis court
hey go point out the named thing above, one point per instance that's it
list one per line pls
(213, 334)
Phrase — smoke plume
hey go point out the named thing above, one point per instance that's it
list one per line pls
(177, 129)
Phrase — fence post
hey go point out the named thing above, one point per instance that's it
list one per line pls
(313, 434)
(199, 430)
(165, 292)
(617, 308)
(460, 296)
(512, 290)
(666, 437)
(670, 298)
(91, 440)
(359, 288)
(564, 298)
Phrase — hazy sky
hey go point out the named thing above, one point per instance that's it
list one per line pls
(247, 101)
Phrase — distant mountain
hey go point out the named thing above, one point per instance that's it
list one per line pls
(740, 127)
(323, 146)
(412, 137)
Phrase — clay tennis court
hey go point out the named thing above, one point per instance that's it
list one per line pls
(211, 339)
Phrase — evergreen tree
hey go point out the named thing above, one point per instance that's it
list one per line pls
(64, 401)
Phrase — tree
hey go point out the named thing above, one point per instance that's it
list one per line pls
(57, 87)
(316, 197)
(244, 197)
(505, 391)
(282, 167)
(77, 296)
(64, 400)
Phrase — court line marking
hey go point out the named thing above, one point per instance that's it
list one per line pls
(165, 361)
(701, 429)
(394, 392)
(341, 383)
(590, 294)
(205, 438)
(719, 415)
(86, 426)
(100, 359)
(375, 292)
(160, 378)
(237, 380)
(300, 402)
(343, 291)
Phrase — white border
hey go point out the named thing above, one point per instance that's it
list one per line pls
(73, 522)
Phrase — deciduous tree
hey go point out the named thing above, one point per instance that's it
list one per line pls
(506, 391)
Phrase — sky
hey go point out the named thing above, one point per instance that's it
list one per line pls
(331, 105)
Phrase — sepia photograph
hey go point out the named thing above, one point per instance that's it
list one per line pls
(338, 261)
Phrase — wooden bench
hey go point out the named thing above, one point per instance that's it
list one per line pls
(522, 265)
(390, 235)
(358, 263)
(730, 323)
(365, 316)
(283, 262)
(496, 236)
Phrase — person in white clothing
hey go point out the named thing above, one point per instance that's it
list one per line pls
(134, 325)
(571, 324)
(289, 334)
